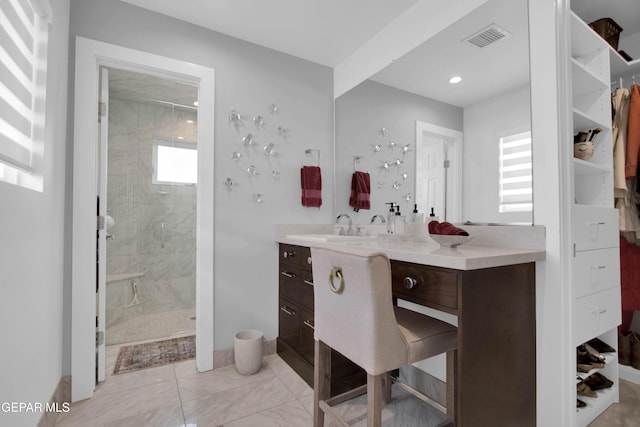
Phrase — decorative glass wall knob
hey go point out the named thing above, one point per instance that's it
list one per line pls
(274, 109)
(275, 175)
(259, 122)
(382, 131)
(398, 163)
(406, 149)
(405, 175)
(235, 118)
(385, 165)
(257, 198)
(392, 145)
(248, 140)
(269, 150)
(408, 197)
(229, 183)
(235, 155)
(252, 171)
(283, 131)
(380, 185)
(377, 148)
(397, 185)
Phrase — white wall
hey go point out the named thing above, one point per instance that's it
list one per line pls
(484, 124)
(249, 79)
(360, 113)
(32, 226)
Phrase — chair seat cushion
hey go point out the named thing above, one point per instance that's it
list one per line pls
(425, 335)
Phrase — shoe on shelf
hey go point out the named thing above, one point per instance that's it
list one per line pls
(598, 381)
(587, 361)
(580, 403)
(593, 352)
(624, 348)
(584, 390)
(601, 346)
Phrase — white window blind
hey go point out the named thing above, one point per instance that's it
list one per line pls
(516, 179)
(23, 47)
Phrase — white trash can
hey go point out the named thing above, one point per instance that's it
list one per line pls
(247, 351)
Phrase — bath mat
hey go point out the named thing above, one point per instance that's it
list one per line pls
(153, 354)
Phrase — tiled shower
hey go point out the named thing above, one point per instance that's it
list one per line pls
(151, 256)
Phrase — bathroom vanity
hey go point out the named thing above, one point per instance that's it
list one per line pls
(491, 290)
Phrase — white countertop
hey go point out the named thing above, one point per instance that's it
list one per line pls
(465, 257)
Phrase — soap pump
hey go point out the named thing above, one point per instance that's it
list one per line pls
(417, 217)
(432, 216)
(391, 218)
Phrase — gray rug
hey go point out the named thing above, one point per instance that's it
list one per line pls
(153, 354)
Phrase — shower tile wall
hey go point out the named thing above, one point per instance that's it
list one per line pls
(165, 256)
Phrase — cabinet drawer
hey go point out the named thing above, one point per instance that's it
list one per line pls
(595, 271)
(596, 314)
(306, 290)
(289, 323)
(430, 286)
(295, 255)
(291, 279)
(307, 341)
(595, 227)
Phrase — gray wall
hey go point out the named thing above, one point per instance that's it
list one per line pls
(360, 113)
(32, 226)
(249, 79)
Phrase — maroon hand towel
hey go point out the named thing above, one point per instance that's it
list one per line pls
(311, 183)
(360, 191)
(447, 228)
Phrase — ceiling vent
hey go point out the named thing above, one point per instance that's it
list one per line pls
(487, 36)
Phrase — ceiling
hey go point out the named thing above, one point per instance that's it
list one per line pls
(132, 86)
(328, 31)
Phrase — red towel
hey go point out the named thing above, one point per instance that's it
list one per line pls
(447, 228)
(360, 191)
(311, 183)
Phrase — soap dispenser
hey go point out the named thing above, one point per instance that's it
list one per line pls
(391, 218)
(432, 216)
(399, 221)
(416, 217)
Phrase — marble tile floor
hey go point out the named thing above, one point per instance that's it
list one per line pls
(166, 324)
(178, 396)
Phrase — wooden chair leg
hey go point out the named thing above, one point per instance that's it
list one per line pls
(386, 388)
(374, 400)
(320, 384)
(452, 380)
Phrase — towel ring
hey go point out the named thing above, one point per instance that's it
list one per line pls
(336, 272)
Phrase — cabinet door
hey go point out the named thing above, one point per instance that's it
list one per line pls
(289, 323)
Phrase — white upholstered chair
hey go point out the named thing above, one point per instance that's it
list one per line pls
(354, 315)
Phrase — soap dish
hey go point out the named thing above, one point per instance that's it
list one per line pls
(450, 241)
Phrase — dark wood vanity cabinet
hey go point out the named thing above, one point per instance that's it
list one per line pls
(295, 322)
(495, 309)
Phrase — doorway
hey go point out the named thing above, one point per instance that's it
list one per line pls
(91, 55)
(439, 171)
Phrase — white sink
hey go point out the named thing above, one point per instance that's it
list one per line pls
(329, 237)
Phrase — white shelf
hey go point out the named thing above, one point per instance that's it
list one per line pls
(595, 406)
(584, 41)
(620, 67)
(610, 358)
(584, 80)
(585, 167)
(583, 122)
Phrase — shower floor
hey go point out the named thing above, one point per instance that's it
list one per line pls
(154, 325)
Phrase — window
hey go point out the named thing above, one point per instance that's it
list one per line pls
(174, 162)
(516, 179)
(23, 53)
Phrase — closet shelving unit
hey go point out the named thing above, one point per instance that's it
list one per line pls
(596, 260)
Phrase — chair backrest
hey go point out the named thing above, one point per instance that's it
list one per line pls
(358, 320)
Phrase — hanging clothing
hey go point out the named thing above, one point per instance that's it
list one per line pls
(620, 108)
(629, 218)
(633, 133)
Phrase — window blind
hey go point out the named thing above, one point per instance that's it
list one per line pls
(516, 179)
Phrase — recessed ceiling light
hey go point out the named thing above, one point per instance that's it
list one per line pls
(195, 103)
(455, 79)
(190, 121)
(181, 137)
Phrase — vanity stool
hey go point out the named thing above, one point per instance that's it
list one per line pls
(355, 315)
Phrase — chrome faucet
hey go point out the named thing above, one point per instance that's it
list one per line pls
(350, 228)
(373, 219)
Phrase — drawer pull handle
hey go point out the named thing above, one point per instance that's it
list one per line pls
(599, 311)
(289, 275)
(309, 260)
(287, 254)
(600, 267)
(309, 282)
(409, 282)
(597, 223)
(287, 310)
(309, 324)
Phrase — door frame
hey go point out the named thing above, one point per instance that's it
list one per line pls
(90, 56)
(454, 139)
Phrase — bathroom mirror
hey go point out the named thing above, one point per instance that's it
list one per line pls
(462, 148)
